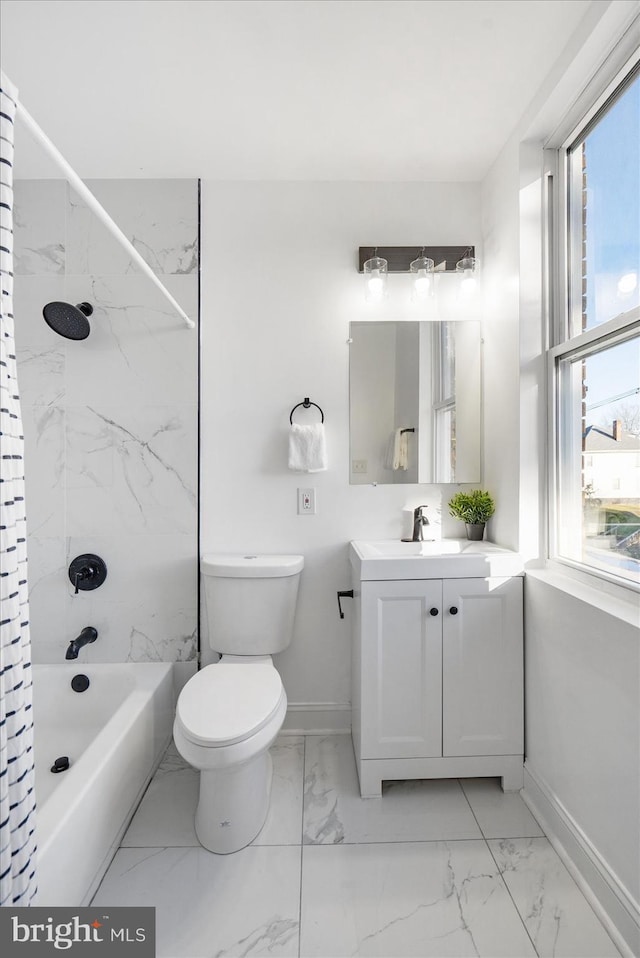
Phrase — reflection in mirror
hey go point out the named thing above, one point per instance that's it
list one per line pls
(414, 401)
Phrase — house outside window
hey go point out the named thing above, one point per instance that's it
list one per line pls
(595, 352)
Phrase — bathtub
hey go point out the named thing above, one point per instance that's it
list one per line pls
(114, 734)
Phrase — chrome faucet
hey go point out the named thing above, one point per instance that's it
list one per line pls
(419, 522)
(89, 634)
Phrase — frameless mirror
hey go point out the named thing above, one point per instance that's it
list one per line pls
(414, 402)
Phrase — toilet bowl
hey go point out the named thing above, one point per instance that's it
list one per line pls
(228, 714)
(227, 717)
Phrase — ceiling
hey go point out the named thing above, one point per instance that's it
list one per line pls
(389, 90)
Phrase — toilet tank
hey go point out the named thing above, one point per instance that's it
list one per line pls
(250, 601)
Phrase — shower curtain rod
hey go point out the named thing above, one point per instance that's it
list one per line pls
(85, 193)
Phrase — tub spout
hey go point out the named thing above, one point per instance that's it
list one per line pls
(89, 634)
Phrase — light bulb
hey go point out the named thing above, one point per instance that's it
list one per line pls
(422, 284)
(466, 267)
(421, 268)
(467, 283)
(375, 273)
(375, 285)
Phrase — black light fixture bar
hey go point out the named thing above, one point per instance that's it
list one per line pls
(399, 258)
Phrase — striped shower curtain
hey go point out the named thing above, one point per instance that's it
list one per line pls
(17, 794)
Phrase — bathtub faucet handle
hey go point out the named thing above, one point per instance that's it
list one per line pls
(81, 575)
(87, 572)
(88, 635)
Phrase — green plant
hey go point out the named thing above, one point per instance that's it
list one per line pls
(472, 507)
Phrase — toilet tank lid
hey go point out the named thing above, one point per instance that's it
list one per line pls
(250, 565)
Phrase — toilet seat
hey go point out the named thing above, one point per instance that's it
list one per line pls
(227, 703)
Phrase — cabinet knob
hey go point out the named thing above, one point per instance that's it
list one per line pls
(453, 610)
(433, 611)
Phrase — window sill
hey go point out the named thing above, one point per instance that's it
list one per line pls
(617, 601)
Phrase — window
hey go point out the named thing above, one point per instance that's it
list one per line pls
(595, 360)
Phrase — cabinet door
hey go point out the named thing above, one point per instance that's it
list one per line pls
(482, 677)
(401, 669)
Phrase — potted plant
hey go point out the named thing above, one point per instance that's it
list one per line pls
(473, 508)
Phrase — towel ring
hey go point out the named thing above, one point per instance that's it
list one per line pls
(306, 405)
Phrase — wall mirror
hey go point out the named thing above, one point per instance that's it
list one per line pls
(414, 402)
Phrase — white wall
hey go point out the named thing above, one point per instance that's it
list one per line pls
(279, 289)
(583, 734)
(582, 652)
(501, 367)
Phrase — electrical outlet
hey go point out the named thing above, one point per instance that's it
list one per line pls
(359, 466)
(306, 502)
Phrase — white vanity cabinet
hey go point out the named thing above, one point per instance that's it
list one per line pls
(438, 679)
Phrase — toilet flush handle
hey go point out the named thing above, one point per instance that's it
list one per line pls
(348, 594)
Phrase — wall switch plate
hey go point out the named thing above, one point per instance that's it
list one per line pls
(306, 502)
(359, 466)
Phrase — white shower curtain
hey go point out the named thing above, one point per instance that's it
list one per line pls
(17, 794)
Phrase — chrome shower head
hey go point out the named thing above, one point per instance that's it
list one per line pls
(67, 320)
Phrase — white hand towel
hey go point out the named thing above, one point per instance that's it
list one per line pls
(307, 448)
(401, 450)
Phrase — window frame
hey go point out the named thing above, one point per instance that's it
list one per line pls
(562, 248)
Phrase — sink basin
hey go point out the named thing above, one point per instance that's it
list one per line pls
(392, 547)
(439, 559)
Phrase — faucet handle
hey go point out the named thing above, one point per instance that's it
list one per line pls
(87, 572)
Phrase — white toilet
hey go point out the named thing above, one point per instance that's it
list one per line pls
(229, 713)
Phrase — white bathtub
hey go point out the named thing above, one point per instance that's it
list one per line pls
(114, 735)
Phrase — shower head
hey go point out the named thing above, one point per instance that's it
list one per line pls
(67, 320)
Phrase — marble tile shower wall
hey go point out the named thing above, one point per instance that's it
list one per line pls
(110, 422)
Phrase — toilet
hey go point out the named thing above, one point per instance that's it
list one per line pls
(229, 713)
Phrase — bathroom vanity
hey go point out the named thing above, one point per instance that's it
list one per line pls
(437, 662)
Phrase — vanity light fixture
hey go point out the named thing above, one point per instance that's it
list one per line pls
(375, 278)
(422, 269)
(467, 268)
(422, 262)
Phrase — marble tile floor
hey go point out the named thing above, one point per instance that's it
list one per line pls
(440, 868)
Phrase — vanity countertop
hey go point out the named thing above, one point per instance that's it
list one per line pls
(375, 559)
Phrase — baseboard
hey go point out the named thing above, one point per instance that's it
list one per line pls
(317, 718)
(612, 902)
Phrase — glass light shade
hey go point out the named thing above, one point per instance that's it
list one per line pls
(422, 274)
(467, 267)
(375, 279)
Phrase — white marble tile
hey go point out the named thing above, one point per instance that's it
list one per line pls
(47, 598)
(133, 634)
(131, 469)
(142, 567)
(223, 905)
(557, 916)
(146, 610)
(39, 226)
(421, 899)
(159, 217)
(40, 352)
(44, 428)
(139, 348)
(334, 812)
(499, 814)
(41, 376)
(284, 820)
(166, 813)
